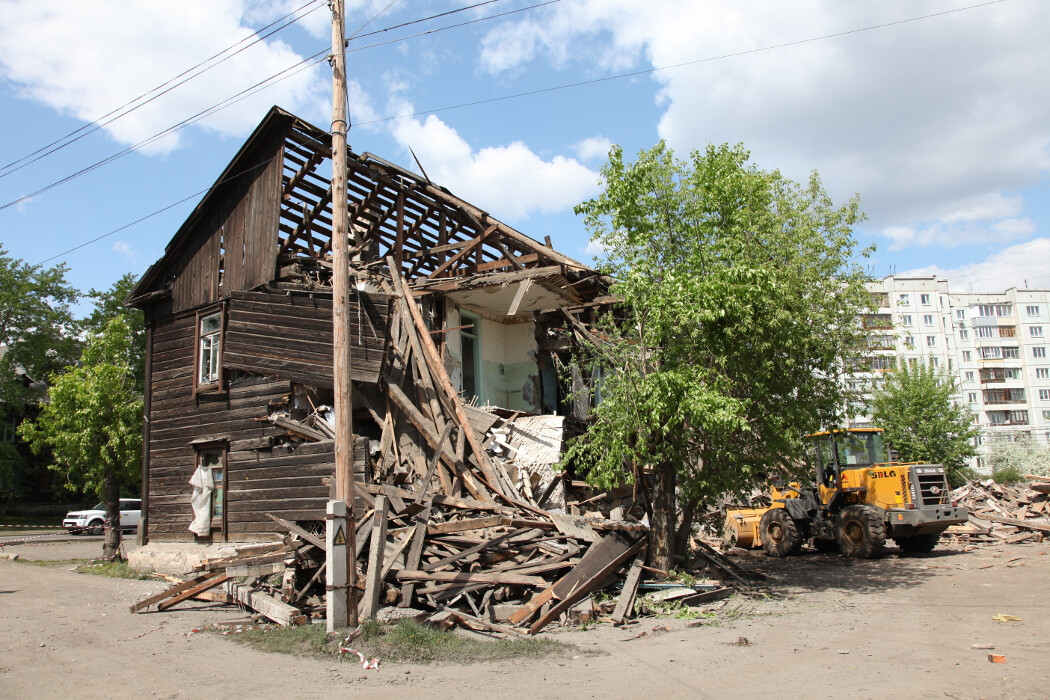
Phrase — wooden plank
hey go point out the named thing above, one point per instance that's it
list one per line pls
(280, 612)
(584, 586)
(414, 554)
(471, 550)
(471, 577)
(472, 622)
(625, 603)
(1040, 525)
(168, 592)
(373, 576)
(610, 548)
(465, 525)
(574, 527)
(295, 529)
(211, 582)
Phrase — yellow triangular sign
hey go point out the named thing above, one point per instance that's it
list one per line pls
(340, 536)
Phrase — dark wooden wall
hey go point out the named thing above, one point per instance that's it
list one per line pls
(290, 335)
(284, 339)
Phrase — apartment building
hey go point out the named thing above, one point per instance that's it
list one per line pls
(994, 344)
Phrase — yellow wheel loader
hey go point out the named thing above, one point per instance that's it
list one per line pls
(858, 500)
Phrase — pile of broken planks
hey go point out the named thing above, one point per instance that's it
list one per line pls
(1004, 514)
(463, 518)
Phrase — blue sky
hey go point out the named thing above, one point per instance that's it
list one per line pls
(936, 112)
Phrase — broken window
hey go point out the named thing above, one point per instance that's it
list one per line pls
(470, 342)
(209, 350)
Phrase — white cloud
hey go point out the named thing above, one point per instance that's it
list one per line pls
(1025, 264)
(85, 58)
(594, 148)
(510, 181)
(924, 119)
(127, 251)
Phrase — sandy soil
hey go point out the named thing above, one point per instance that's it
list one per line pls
(831, 628)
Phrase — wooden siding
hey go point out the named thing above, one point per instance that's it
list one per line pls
(290, 335)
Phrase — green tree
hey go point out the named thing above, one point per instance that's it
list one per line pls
(917, 407)
(1011, 459)
(108, 305)
(740, 295)
(37, 331)
(92, 423)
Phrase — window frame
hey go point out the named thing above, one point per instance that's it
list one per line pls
(220, 448)
(216, 385)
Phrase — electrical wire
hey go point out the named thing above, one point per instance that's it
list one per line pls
(162, 89)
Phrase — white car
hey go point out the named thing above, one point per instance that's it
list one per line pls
(94, 519)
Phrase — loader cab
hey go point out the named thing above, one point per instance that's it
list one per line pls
(835, 450)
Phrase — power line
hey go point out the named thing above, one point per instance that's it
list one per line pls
(247, 92)
(657, 69)
(162, 89)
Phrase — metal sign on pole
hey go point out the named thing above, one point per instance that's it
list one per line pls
(342, 574)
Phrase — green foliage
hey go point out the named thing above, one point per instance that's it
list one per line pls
(36, 326)
(741, 291)
(1010, 460)
(93, 421)
(108, 305)
(113, 569)
(916, 407)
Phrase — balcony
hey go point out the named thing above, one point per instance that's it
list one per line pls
(878, 322)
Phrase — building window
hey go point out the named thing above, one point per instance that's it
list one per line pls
(906, 320)
(1046, 415)
(1012, 373)
(1039, 352)
(209, 350)
(960, 314)
(470, 340)
(967, 355)
(1011, 353)
(1035, 331)
(909, 341)
(924, 299)
(934, 362)
(903, 299)
(964, 335)
(1032, 310)
(931, 341)
(972, 397)
(1044, 394)
(994, 310)
(1019, 417)
(913, 362)
(1042, 373)
(927, 320)
(969, 376)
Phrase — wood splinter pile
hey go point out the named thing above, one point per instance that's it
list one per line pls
(1004, 514)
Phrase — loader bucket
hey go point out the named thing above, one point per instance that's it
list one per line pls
(741, 527)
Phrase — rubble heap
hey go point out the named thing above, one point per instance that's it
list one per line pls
(1002, 513)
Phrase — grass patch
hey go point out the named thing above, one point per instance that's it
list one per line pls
(406, 642)
(114, 569)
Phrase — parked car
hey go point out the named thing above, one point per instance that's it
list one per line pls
(93, 520)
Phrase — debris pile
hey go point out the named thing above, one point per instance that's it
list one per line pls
(1004, 514)
(462, 516)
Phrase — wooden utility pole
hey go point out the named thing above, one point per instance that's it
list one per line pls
(342, 555)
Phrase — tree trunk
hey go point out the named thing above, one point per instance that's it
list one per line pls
(662, 521)
(685, 530)
(111, 544)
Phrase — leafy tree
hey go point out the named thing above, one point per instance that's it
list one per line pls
(1010, 460)
(917, 407)
(36, 328)
(108, 305)
(740, 294)
(92, 423)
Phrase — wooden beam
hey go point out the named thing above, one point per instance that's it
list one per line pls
(374, 579)
(215, 580)
(472, 577)
(477, 241)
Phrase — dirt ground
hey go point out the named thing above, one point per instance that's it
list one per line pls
(831, 628)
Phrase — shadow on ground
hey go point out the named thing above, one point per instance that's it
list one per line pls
(814, 571)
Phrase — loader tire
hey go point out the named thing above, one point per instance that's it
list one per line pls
(861, 533)
(918, 544)
(779, 533)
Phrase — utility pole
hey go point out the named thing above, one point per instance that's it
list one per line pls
(341, 601)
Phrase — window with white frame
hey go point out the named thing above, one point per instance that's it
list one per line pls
(1032, 310)
(927, 320)
(991, 353)
(903, 299)
(1046, 415)
(209, 349)
(1042, 372)
(1012, 373)
(967, 356)
(934, 362)
(924, 299)
(1035, 331)
(1011, 353)
(964, 334)
(971, 397)
(931, 341)
(969, 376)
(960, 314)
(1044, 394)
(906, 320)
(995, 310)
(1039, 352)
